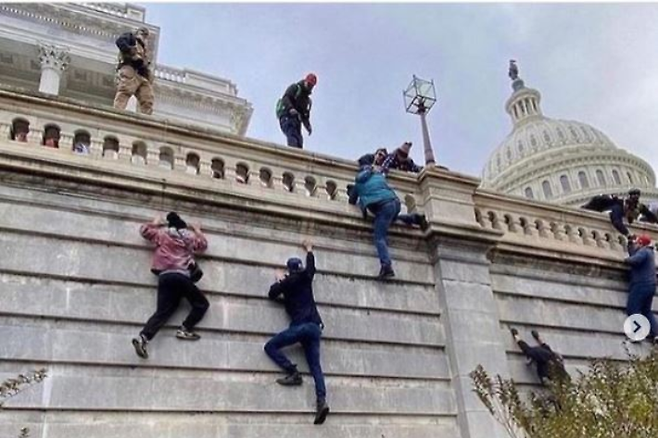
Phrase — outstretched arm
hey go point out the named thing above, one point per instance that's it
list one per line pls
(617, 219)
(310, 259)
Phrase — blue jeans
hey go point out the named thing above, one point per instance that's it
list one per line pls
(308, 335)
(639, 301)
(385, 214)
(291, 126)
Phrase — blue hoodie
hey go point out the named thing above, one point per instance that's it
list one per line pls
(643, 265)
(371, 187)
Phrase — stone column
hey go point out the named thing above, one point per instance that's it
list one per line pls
(54, 61)
(472, 326)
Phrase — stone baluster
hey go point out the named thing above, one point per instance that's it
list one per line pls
(585, 236)
(572, 235)
(513, 223)
(204, 169)
(543, 231)
(529, 227)
(96, 148)
(558, 231)
(66, 141)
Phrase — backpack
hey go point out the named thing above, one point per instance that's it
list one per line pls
(280, 107)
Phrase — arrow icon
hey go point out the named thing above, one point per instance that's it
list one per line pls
(637, 327)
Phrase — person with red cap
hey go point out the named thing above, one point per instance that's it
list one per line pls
(399, 159)
(643, 281)
(294, 110)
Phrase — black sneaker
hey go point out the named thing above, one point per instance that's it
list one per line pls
(321, 412)
(385, 273)
(422, 221)
(187, 335)
(140, 346)
(535, 334)
(293, 379)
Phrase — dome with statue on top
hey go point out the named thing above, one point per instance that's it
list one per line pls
(561, 161)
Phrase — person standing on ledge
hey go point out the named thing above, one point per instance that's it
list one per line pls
(295, 291)
(174, 254)
(135, 77)
(643, 281)
(294, 110)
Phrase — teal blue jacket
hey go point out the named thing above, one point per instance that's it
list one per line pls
(371, 188)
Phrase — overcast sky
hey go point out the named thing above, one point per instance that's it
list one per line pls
(595, 63)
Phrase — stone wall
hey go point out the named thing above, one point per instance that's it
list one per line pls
(76, 287)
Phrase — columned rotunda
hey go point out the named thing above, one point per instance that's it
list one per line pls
(560, 161)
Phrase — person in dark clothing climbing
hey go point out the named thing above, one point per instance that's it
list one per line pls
(173, 257)
(375, 195)
(643, 281)
(630, 209)
(294, 110)
(295, 291)
(550, 365)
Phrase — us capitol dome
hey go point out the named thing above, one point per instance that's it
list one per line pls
(560, 161)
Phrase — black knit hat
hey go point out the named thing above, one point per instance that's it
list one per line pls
(175, 221)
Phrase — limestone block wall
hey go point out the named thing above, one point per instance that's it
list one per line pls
(75, 286)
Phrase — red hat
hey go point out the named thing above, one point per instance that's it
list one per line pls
(643, 240)
(311, 79)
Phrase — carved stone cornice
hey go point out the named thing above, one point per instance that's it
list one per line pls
(55, 57)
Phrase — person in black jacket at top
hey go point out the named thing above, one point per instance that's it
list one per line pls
(630, 209)
(295, 291)
(294, 110)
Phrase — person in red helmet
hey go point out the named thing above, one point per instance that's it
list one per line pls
(642, 285)
(294, 110)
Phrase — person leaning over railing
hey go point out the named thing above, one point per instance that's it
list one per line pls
(629, 208)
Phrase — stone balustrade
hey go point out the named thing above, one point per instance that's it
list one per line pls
(154, 146)
(170, 74)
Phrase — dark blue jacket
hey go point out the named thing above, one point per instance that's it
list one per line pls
(297, 292)
(643, 265)
(371, 188)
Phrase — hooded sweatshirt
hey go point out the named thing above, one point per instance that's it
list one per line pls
(371, 188)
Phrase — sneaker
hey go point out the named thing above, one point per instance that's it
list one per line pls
(535, 334)
(187, 335)
(321, 412)
(140, 346)
(422, 221)
(385, 273)
(292, 379)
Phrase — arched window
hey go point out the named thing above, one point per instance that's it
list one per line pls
(546, 187)
(600, 177)
(242, 173)
(139, 153)
(166, 158)
(265, 176)
(217, 168)
(20, 128)
(582, 178)
(528, 193)
(566, 186)
(310, 185)
(51, 136)
(192, 163)
(81, 142)
(332, 189)
(615, 177)
(111, 147)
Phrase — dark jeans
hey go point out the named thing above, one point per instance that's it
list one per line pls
(171, 288)
(385, 214)
(639, 301)
(308, 335)
(291, 126)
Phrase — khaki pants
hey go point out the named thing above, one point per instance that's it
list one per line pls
(130, 83)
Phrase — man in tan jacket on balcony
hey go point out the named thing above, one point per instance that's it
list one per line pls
(134, 73)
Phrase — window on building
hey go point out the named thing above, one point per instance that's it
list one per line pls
(566, 186)
(582, 178)
(615, 177)
(546, 187)
(600, 177)
(528, 193)
(630, 177)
